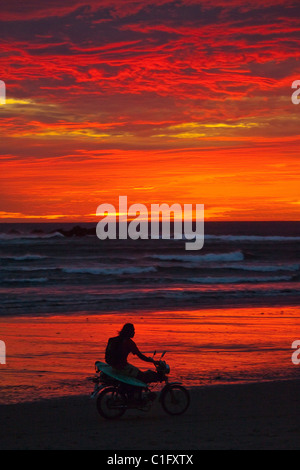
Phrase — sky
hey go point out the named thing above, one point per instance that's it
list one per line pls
(162, 101)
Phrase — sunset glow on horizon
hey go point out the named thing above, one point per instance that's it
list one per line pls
(161, 101)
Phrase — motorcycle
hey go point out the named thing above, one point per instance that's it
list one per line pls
(115, 393)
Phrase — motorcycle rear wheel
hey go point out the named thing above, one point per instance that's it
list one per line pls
(111, 403)
(175, 399)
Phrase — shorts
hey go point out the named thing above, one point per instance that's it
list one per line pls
(129, 370)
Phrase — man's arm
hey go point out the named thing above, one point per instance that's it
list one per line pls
(144, 358)
(135, 350)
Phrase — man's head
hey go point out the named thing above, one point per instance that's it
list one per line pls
(127, 331)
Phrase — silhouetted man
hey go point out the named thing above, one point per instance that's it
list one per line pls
(118, 349)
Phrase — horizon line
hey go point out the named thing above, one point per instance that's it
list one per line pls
(129, 220)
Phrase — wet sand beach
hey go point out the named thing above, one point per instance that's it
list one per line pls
(51, 356)
(242, 416)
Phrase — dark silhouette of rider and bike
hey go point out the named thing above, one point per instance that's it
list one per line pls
(120, 385)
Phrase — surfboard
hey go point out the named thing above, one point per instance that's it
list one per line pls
(108, 370)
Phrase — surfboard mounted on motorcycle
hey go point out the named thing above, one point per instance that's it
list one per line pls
(115, 392)
(110, 372)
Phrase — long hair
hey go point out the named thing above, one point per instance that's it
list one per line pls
(127, 331)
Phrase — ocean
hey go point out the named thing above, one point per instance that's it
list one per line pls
(46, 270)
(227, 313)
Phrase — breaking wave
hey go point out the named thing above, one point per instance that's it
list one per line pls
(30, 236)
(27, 257)
(110, 271)
(37, 279)
(236, 280)
(215, 257)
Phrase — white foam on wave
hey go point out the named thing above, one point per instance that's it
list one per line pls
(37, 279)
(261, 267)
(110, 271)
(236, 280)
(29, 236)
(231, 256)
(253, 238)
(28, 257)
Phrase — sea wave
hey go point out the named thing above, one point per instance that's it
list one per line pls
(288, 232)
(30, 268)
(28, 257)
(231, 256)
(30, 236)
(237, 279)
(110, 271)
(252, 238)
(261, 267)
(37, 279)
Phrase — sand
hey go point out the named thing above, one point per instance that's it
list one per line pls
(258, 416)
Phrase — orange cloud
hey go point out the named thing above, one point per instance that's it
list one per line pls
(161, 101)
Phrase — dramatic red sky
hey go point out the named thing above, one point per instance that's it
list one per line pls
(163, 101)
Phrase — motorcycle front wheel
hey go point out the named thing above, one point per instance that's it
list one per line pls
(175, 399)
(111, 403)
